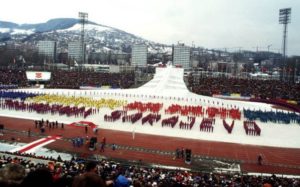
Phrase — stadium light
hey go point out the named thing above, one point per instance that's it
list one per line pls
(285, 19)
(83, 20)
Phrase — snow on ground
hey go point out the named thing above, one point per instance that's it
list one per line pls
(4, 30)
(22, 31)
(167, 88)
(277, 135)
(5, 147)
(77, 27)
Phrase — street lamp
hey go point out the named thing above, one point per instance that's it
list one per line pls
(269, 47)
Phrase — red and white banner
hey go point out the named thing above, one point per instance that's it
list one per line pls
(38, 75)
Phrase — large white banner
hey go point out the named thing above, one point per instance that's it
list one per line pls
(38, 75)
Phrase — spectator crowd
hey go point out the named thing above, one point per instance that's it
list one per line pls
(272, 89)
(17, 170)
(203, 85)
(75, 79)
(69, 79)
(13, 77)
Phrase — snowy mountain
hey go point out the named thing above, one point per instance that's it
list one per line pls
(63, 30)
(53, 24)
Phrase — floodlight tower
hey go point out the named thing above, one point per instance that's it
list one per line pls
(285, 19)
(83, 20)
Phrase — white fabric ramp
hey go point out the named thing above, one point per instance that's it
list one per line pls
(166, 80)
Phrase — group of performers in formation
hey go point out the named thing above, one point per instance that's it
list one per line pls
(148, 112)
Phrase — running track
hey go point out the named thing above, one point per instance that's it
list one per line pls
(276, 160)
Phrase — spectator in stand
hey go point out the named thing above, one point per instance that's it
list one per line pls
(87, 175)
(121, 181)
(70, 79)
(40, 177)
(91, 167)
(75, 79)
(13, 77)
(12, 175)
(90, 178)
(272, 89)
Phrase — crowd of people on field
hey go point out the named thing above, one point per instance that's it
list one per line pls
(5, 94)
(143, 107)
(185, 110)
(211, 112)
(251, 128)
(77, 101)
(196, 111)
(150, 118)
(274, 117)
(114, 115)
(61, 104)
(8, 86)
(228, 127)
(43, 125)
(223, 113)
(189, 124)
(16, 171)
(206, 125)
(42, 108)
(170, 122)
(246, 87)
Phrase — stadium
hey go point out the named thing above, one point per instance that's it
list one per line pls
(160, 126)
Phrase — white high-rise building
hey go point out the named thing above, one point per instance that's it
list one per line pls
(75, 51)
(139, 55)
(47, 48)
(181, 56)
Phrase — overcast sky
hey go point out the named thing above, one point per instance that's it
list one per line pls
(215, 24)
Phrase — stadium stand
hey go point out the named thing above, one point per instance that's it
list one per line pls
(272, 89)
(68, 79)
(56, 172)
